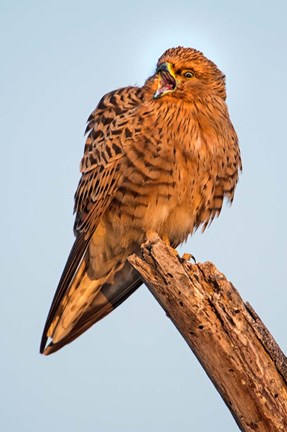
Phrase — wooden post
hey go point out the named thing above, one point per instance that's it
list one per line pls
(230, 341)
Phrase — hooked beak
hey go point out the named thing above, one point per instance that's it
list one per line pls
(166, 80)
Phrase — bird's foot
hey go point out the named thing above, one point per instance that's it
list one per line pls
(166, 241)
(188, 257)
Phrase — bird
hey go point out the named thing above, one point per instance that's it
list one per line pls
(162, 158)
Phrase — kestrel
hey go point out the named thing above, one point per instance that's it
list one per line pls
(161, 157)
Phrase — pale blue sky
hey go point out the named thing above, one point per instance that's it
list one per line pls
(133, 371)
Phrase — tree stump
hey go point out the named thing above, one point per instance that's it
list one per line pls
(230, 341)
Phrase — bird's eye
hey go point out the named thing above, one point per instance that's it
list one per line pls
(188, 74)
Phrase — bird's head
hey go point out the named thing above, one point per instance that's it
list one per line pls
(186, 73)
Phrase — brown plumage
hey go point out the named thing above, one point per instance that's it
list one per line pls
(162, 158)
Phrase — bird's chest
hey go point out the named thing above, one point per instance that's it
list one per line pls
(184, 180)
(167, 179)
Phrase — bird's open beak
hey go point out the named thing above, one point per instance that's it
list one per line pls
(166, 80)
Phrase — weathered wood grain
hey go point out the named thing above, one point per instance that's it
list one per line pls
(230, 341)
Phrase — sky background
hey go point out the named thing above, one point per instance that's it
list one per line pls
(132, 371)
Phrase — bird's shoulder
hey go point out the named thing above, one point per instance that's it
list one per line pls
(114, 104)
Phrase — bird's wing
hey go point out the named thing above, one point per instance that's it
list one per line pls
(100, 179)
(103, 151)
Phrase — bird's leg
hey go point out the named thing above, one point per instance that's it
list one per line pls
(152, 235)
(185, 256)
(166, 241)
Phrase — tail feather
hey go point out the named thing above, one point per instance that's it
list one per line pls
(74, 306)
(106, 297)
(74, 262)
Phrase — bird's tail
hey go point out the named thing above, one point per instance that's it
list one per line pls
(74, 304)
(87, 302)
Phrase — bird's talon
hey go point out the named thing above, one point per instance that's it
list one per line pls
(165, 239)
(174, 251)
(188, 257)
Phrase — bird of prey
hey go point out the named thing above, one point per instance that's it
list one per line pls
(162, 158)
